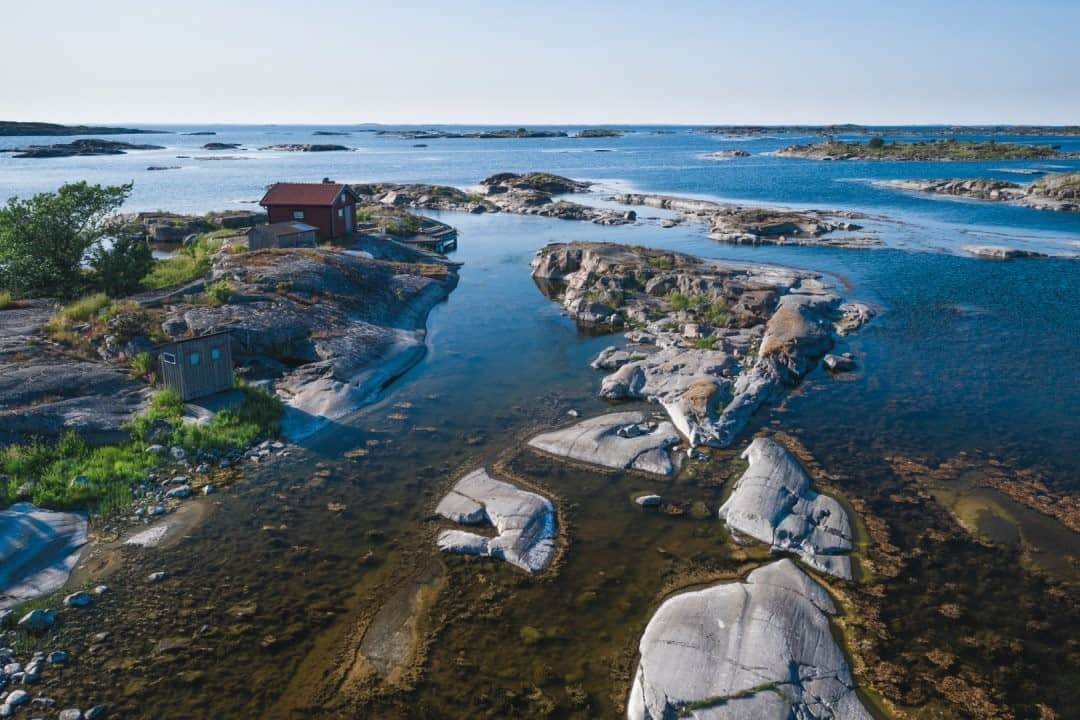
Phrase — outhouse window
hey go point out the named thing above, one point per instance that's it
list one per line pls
(341, 212)
(297, 214)
(194, 358)
(169, 358)
(215, 354)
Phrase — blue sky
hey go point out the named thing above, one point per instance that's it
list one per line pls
(600, 61)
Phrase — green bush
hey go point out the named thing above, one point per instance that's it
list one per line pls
(5, 300)
(120, 268)
(877, 143)
(44, 240)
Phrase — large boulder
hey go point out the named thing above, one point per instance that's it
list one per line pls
(525, 522)
(626, 440)
(38, 549)
(762, 648)
(774, 503)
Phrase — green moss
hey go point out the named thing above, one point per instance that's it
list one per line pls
(189, 263)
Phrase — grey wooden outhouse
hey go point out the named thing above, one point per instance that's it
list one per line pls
(198, 366)
(282, 235)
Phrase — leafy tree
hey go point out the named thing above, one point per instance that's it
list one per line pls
(877, 143)
(120, 268)
(44, 240)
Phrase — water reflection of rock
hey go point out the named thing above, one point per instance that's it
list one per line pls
(773, 502)
(762, 648)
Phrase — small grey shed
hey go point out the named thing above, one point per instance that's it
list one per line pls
(282, 235)
(198, 366)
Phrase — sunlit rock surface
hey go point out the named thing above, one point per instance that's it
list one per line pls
(524, 521)
(626, 440)
(38, 549)
(760, 649)
(774, 503)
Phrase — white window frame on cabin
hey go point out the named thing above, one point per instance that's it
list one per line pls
(297, 214)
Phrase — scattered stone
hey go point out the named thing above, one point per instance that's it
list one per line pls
(1001, 252)
(101, 589)
(774, 503)
(157, 510)
(155, 449)
(179, 493)
(37, 621)
(649, 500)
(97, 712)
(838, 363)
(209, 490)
(156, 576)
(177, 452)
(57, 657)
(626, 440)
(762, 648)
(77, 600)
(71, 714)
(525, 521)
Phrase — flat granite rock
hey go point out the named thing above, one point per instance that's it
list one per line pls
(774, 503)
(758, 649)
(626, 440)
(524, 520)
(38, 549)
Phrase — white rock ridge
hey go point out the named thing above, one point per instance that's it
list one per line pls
(626, 440)
(761, 649)
(38, 549)
(774, 503)
(525, 522)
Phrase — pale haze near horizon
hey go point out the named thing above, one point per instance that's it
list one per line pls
(676, 62)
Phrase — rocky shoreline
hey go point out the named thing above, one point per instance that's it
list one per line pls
(710, 341)
(524, 194)
(754, 225)
(1054, 191)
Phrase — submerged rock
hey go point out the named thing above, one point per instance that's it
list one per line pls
(38, 549)
(625, 440)
(524, 520)
(762, 648)
(1001, 252)
(774, 503)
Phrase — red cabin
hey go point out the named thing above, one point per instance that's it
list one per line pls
(329, 206)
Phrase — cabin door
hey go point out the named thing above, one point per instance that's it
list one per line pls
(348, 219)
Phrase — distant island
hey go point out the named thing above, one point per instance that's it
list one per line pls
(518, 133)
(852, 129)
(598, 133)
(90, 146)
(878, 149)
(10, 128)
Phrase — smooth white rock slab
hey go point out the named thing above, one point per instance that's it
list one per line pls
(524, 521)
(38, 549)
(774, 503)
(625, 440)
(761, 649)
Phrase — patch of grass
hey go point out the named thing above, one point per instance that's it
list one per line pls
(142, 366)
(706, 343)
(81, 310)
(190, 262)
(662, 262)
(5, 300)
(284, 286)
(678, 301)
(218, 293)
(110, 471)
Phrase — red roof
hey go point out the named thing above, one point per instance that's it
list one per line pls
(320, 193)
